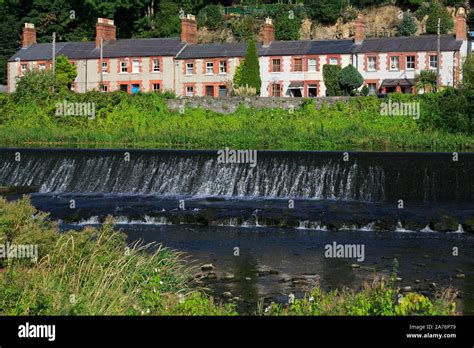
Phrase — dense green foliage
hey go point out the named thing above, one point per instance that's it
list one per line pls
(350, 79)
(437, 10)
(331, 79)
(65, 72)
(251, 68)
(468, 72)
(211, 16)
(144, 120)
(407, 26)
(426, 80)
(287, 24)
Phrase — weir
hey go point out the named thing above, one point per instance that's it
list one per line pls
(368, 177)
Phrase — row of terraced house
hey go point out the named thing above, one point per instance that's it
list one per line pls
(287, 68)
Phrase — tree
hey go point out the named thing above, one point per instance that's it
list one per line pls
(468, 73)
(251, 69)
(436, 11)
(36, 85)
(426, 81)
(211, 16)
(325, 11)
(331, 79)
(66, 72)
(287, 24)
(407, 26)
(350, 79)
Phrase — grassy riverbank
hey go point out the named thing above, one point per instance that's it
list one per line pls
(94, 272)
(144, 121)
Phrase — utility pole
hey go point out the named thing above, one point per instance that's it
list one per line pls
(54, 53)
(101, 60)
(438, 84)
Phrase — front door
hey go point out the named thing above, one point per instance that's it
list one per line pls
(210, 91)
(135, 88)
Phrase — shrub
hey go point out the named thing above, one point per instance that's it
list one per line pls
(36, 85)
(350, 79)
(66, 72)
(331, 79)
(245, 91)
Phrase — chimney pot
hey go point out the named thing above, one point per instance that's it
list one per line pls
(359, 30)
(461, 27)
(189, 29)
(105, 29)
(268, 32)
(29, 35)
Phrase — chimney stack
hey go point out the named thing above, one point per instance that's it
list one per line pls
(189, 29)
(268, 32)
(29, 35)
(461, 27)
(359, 30)
(105, 30)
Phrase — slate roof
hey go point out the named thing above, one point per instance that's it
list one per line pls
(112, 49)
(408, 44)
(173, 46)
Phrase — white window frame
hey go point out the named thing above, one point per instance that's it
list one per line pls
(135, 66)
(23, 71)
(189, 68)
(273, 65)
(333, 61)
(104, 88)
(153, 87)
(409, 63)
(123, 68)
(105, 67)
(189, 91)
(42, 67)
(371, 63)
(374, 90)
(312, 65)
(394, 59)
(156, 65)
(209, 68)
(223, 67)
(434, 60)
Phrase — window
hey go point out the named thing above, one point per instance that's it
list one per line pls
(371, 63)
(189, 68)
(312, 65)
(372, 88)
(124, 88)
(189, 91)
(276, 65)
(298, 65)
(156, 65)
(156, 87)
(104, 88)
(223, 67)
(276, 90)
(433, 62)
(209, 68)
(394, 63)
(135, 66)
(23, 68)
(42, 67)
(123, 66)
(312, 91)
(333, 61)
(104, 67)
(411, 62)
(222, 91)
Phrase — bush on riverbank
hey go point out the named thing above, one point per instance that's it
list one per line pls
(143, 120)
